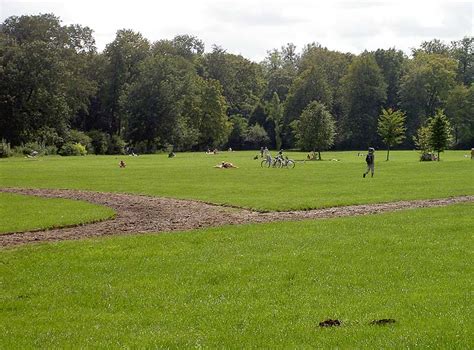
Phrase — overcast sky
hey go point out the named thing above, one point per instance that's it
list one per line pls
(252, 27)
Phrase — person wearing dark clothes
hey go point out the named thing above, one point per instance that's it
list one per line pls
(370, 160)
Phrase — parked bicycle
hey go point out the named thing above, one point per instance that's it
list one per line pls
(288, 163)
(278, 162)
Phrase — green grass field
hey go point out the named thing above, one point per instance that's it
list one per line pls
(21, 213)
(309, 185)
(250, 286)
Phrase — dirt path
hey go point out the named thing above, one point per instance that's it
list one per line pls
(140, 214)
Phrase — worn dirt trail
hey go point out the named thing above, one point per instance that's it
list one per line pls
(141, 214)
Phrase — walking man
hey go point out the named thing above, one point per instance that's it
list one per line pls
(370, 160)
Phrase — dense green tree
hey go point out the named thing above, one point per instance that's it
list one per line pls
(434, 46)
(311, 85)
(43, 76)
(335, 65)
(463, 51)
(280, 69)
(422, 141)
(275, 115)
(316, 128)
(239, 130)
(460, 111)
(364, 95)
(154, 102)
(124, 56)
(391, 128)
(242, 80)
(392, 64)
(214, 126)
(256, 136)
(425, 87)
(440, 132)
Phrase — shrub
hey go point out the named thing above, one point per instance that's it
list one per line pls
(76, 136)
(73, 149)
(99, 140)
(29, 148)
(116, 145)
(5, 150)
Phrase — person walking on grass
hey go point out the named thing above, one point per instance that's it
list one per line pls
(370, 160)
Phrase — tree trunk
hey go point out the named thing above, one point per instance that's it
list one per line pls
(438, 156)
(388, 152)
(319, 155)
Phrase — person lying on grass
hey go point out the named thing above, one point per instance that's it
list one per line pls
(225, 165)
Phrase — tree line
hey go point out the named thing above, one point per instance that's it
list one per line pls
(57, 92)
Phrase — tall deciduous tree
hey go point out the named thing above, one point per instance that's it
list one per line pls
(463, 51)
(155, 102)
(460, 111)
(214, 125)
(425, 87)
(391, 128)
(275, 114)
(44, 78)
(365, 94)
(392, 64)
(124, 56)
(316, 128)
(440, 132)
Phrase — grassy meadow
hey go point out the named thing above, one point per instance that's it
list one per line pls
(309, 185)
(250, 286)
(21, 213)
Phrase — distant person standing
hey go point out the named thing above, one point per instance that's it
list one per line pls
(370, 160)
(266, 152)
(261, 152)
(472, 153)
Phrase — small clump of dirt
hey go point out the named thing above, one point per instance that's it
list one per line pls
(383, 321)
(330, 323)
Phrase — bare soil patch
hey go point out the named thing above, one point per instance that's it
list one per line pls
(330, 323)
(143, 214)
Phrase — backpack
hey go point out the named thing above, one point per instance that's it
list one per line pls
(369, 159)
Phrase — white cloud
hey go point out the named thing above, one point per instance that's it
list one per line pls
(251, 27)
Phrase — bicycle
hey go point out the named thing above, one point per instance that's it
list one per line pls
(288, 163)
(266, 163)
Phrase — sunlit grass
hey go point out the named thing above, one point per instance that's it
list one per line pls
(250, 286)
(310, 185)
(22, 213)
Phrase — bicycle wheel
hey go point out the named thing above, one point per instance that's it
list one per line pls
(290, 164)
(265, 164)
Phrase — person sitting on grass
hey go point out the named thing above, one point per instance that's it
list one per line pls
(122, 164)
(225, 165)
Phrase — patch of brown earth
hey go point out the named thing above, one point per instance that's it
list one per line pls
(383, 321)
(330, 323)
(141, 214)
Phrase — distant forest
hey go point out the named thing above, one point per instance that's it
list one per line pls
(56, 89)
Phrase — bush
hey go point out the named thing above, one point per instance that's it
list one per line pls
(73, 149)
(5, 150)
(50, 150)
(116, 145)
(76, 136)
(30, 147)
(99, 140)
